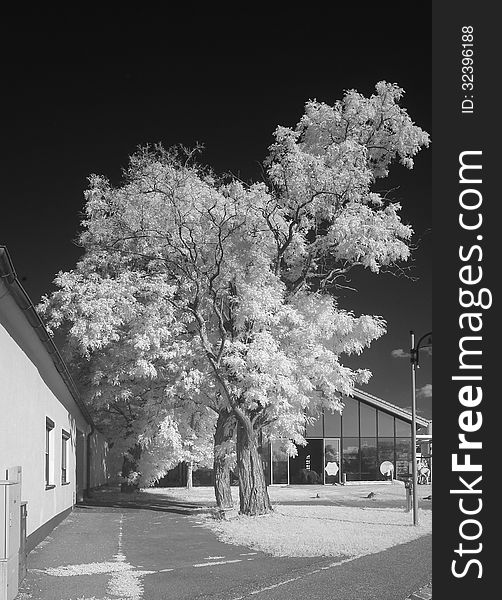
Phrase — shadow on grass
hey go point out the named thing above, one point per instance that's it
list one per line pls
(140, 501)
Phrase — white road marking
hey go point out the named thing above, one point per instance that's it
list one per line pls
(213, 557)
(164, 570)
(84, 569)
(247, 553)
(286, 581)
(220, 562)
(125, 581)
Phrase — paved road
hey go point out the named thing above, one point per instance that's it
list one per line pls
(161, 552)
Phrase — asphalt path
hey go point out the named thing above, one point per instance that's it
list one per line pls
(161, 551)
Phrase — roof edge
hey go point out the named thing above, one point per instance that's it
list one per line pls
(20, 296)
(396, 410)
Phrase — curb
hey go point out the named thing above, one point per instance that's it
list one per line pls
(424, 593)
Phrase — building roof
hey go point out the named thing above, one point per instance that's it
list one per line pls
(397, 411)
(20, 296)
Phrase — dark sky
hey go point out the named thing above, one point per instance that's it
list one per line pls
(83, 91)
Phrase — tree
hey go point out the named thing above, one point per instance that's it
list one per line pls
(325, 220)
(243, 272)
(122, 359)
(181, 437)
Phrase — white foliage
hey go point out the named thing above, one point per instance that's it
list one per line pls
(195, 292)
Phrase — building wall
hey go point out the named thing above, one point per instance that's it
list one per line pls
(32, 390)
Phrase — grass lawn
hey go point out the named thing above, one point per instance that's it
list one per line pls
(340, 531)
(311, 521)
(391, 494)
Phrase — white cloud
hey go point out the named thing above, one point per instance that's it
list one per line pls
(425, 391)
(400, 353)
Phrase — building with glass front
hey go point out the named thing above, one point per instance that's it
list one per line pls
(369, 441)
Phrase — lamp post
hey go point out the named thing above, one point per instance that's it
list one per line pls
(414, 355)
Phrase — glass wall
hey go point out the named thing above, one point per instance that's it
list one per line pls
(332, 460)
(351, 463)
(385, 424)
(359, 440)
(363, 436)
(350, 417)
(403, 458)
(368, 422)
(332, 424)
(315, 429)
(369, 459)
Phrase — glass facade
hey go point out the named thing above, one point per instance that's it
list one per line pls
(368, 422)
(351, 446)
(331, 460)
(403, 457)
(351, 460)
(332, 424)
(350, 417)
(355, 444)
(315, 428)
(369, 458)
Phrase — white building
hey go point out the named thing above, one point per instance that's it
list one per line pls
(44, 427)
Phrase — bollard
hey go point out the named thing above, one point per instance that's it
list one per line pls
(408, 484)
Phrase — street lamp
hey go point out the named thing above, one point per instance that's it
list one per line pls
(414, 355)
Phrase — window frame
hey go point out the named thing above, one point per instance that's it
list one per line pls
(65, 436)
(49, 453)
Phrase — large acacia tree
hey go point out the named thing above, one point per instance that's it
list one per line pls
(243, 271)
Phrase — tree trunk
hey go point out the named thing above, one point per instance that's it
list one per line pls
(130, 465)
(225, 427)
(189, 475)
(254, 498)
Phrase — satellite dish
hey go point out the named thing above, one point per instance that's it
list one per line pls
(386, 468)
(331, 468)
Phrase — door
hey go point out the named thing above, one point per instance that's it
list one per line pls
(332, 460)
(307, 466)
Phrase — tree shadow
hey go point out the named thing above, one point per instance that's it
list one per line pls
(141, 500)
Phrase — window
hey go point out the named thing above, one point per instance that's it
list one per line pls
(385, 450)
(331, 458)
(385, 454)
(351, 464)
(369, 467)
(332, 424)
(403, 457)
(315, 429)
(368, 420)
(403, 429)
(350, 417)
(279, 464)
(49, 460)
(385, 424)
(64, 457)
